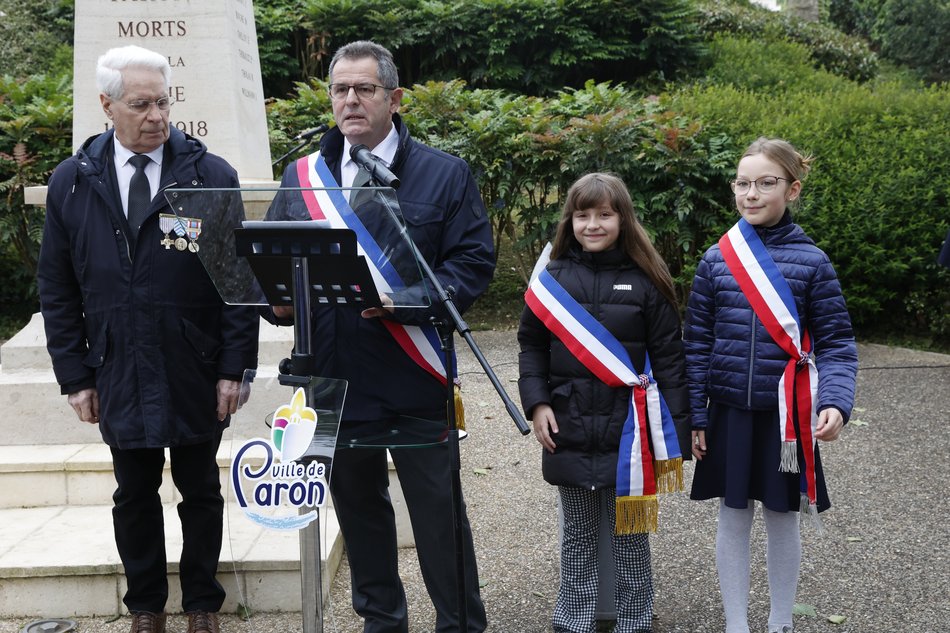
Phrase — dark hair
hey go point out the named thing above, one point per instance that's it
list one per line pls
(594, 189)
(386, 67)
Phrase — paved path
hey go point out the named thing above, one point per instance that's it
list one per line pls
(882, 562)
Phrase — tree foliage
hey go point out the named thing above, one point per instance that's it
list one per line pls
(36, 36)
(527, 46)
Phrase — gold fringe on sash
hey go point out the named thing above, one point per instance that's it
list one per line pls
(636, 515)
(459, 409)
(669, 475)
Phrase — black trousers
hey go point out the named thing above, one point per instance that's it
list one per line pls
(360, 484)
(140, 529)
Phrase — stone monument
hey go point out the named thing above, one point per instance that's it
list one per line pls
(216, 88)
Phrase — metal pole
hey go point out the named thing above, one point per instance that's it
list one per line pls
(311, 584)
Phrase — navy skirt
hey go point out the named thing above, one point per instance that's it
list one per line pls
(741, 463)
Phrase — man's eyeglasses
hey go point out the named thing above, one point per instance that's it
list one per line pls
(141, 106)
(765, 184)
(363, 91)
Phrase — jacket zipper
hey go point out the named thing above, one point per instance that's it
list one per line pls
(596, 305)
(751, 360)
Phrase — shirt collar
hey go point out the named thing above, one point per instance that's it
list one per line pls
(386, 150)
(123, 154)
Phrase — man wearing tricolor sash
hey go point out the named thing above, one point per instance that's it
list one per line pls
(603, 379)
(391, 357)
(772, 361)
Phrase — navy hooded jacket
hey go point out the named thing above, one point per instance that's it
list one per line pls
(446, 219)
(140, 322)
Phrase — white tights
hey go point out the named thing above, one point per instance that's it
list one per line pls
(783, 559)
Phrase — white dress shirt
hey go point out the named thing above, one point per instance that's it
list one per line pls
(386, 151)
(124, 170)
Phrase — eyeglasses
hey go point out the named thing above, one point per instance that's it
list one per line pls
(363, 91)
(765, 184)
(141, 106)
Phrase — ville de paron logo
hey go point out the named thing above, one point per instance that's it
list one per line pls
(279, 481)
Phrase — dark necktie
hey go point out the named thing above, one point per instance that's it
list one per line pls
(140, 195)
(357, 197)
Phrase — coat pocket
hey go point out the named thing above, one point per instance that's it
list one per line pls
(98, 348)
(205, 345)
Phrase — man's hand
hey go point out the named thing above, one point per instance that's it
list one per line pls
(86, 404)
(387, 309)
(229, 397)
(283, 312)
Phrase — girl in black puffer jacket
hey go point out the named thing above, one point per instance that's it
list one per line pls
(603, 259)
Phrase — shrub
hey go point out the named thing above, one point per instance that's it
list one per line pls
(35, 124)
(914, 33)
(830, 49)
(759, 65)
(28, 49)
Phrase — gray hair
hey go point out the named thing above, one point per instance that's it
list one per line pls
(111, 64)
(388, 74)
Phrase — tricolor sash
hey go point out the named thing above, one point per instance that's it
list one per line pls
(640, 473)
(421, 343)
(771, 298)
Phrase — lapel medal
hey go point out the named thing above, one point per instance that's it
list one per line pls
(167, 222)
(193, 228)
(182, 227)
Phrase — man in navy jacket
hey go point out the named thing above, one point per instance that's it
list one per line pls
(140, 340)
(446, 219)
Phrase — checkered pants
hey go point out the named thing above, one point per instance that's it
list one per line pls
(576, 603)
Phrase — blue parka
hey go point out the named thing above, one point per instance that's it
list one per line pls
(446, 219)
(140, 322)
(732, 359)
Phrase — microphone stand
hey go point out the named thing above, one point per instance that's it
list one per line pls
(446, 329)
(307, 137)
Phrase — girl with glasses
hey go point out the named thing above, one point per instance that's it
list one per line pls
(771, 362)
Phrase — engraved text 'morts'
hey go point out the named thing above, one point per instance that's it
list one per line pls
(153, 28)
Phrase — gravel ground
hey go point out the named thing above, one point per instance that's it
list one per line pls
(881, 562)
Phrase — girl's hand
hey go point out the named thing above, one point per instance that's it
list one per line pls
(699, 443)
(830, 423)
(544, 425)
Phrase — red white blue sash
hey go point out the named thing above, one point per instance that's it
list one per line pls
(772, 300)
(640, 474)
(421, 343)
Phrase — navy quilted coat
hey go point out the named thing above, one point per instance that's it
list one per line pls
(732, 359)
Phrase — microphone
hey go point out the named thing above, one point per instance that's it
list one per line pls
(309, 134)
(380, 172)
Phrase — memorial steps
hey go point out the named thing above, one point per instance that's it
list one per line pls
(57, 550)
